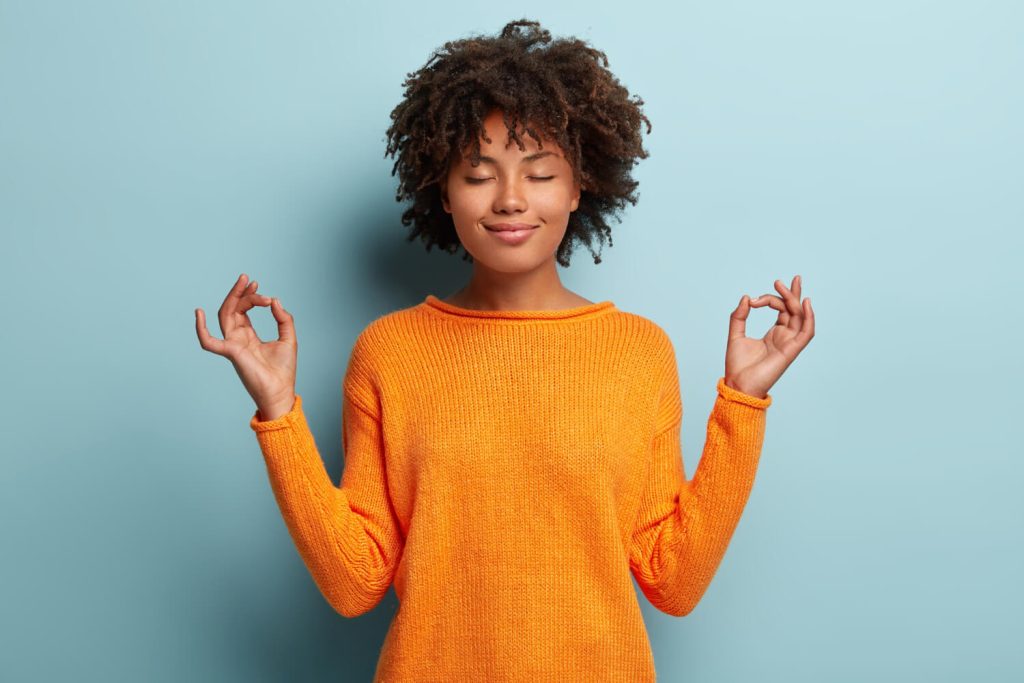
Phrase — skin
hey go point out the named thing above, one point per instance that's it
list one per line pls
(267, 369)
(505, 277)
(512, 189)
(753, 366)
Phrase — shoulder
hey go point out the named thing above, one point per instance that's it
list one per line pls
(386, 338)
(650, 338)
(653, 350)
(376, 357)
(390, 328)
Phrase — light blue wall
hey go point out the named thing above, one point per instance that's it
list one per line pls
(151, 152)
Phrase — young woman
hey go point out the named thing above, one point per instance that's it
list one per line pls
(512, 451)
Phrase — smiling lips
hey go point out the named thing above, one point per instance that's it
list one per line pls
(511, 233)
(513, 227)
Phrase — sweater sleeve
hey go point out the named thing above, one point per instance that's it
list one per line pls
(348, 536)
(684, 527)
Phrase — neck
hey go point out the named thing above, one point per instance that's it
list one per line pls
(534, 290)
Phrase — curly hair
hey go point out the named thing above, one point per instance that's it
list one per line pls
(561, 90)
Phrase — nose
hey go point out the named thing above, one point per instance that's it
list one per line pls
(510, 197)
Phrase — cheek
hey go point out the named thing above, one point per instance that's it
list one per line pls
(465, 214)
(555, 205)
(462, 199)
(465, 211)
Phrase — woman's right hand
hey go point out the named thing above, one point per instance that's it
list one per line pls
(267, 369)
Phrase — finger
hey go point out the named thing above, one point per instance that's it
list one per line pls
(776, 303)
(738, 319)
(285, 324)
(249, 299)
(800, 320)
(769, 300)
(809, 318)
(806, 333)
(791, 317)
(225, 314)
(772, 302)
(244, 302)
(206, 340)
(238, 319)
(792, 303)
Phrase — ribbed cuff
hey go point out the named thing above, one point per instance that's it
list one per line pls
(289, 419)
(731, 394)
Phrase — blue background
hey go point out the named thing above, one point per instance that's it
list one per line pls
(151, 152)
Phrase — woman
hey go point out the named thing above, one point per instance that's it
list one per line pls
(512, 451)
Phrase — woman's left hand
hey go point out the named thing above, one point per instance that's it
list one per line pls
(754, 365)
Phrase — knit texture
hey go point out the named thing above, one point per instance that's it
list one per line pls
(508, 471)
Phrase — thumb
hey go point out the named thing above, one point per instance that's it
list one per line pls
(285, 324)
(738, 319)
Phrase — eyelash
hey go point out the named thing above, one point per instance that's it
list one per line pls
(477, 181)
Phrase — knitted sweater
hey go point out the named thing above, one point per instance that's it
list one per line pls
(508, 471)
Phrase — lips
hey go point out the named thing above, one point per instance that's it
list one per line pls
(512, 233)
(505, 227)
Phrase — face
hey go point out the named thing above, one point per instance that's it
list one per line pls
(532, 187)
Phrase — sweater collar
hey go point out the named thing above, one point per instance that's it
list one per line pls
(434, 304)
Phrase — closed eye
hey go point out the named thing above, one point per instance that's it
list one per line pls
(477, 181)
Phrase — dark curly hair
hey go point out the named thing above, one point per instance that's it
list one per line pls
(560, 90)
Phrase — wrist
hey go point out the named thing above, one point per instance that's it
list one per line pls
(275, 409)
(730, 394)
(743, 389)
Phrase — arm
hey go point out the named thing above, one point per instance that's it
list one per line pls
(348, 537)
(684, 527)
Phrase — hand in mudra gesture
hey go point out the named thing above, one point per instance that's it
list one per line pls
(754, 365)
(266, 368)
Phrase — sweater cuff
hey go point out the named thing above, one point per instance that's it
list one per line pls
(289, 419)
(731, 394)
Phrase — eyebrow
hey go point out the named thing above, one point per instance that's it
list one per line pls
(526, 159)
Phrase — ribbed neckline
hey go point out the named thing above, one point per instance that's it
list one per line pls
(435, 305)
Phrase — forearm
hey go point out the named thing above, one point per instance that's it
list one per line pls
(712, 503)
(678, 549)
(328, 534)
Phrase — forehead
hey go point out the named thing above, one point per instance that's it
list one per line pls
(503, 147)
(524, 157)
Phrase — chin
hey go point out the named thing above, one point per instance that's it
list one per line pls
(522, 262)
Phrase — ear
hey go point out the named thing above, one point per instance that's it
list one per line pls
(575, 203)
(444, 195)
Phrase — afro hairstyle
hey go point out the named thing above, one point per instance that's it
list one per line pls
(559, 90)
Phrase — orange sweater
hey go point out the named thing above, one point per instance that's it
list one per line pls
(508, 471)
